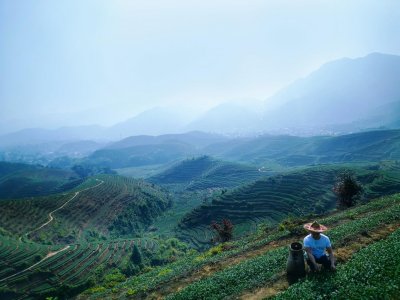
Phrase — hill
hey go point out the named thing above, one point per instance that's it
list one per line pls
(197, 139)
(107, 206)
(290, 151)
(254, 267)
(152, 150)
(272, 199)
(34, 271)
(206, 173)
(269, 151)
(326, 97)
(22, 180)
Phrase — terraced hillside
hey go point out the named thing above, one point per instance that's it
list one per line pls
(105, 206)
(205, 173)
(22, 180)
(34, 271)
(364, 240)
(272, 199)
(289, 151)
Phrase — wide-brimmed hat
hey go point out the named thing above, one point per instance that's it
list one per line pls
(315, 227)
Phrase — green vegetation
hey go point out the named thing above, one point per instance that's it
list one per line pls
(76, 266)
(22, 180)
(118, 237)
(110, 206)
(250, 273)
(372, 273)
(204, 172)
(292, 151)
(346, 189)
(299, 193)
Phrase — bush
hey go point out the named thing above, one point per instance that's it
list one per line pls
(293, 225)
(224, 230)
(346, 189)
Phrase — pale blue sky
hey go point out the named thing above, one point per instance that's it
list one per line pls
(103, 61)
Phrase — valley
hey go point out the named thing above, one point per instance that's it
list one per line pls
(81, 238)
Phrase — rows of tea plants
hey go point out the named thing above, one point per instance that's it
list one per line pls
(95, 207)
(73, 266)
(205, 172)
(372, 273)
(185, 171)
(298, 192)
(258, 271)
(99, 207)
(22, 215)
(272, 198)
(350, 224)
(226, 175)
(16, 256)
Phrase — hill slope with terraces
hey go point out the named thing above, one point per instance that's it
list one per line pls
(272, 199)
(364, 239)
(206, 173)
(58, 244)
(105, 206)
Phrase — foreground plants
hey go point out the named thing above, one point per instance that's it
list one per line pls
(372, 273)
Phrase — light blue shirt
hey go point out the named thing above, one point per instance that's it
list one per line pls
(317, 246)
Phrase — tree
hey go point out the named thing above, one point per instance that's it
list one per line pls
(224, 230)
(135, 263)
(136, 256)
(346, 189)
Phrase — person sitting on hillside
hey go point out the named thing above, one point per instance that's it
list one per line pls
(315, 245)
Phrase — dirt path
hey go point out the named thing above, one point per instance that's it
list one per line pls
(50, 254)
(51, 218)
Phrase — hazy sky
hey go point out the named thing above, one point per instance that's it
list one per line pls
(103, 61)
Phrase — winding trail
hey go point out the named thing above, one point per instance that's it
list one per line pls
(51, 218)
(50, 254)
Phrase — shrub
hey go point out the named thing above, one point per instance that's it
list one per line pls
(346, 189)
(224, 230)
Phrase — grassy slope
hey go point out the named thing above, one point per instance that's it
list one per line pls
(272, 199)
(207, 276)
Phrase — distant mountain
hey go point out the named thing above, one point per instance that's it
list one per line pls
(79, 148)
(147, 150)
(342, 96)
(155, 121)
(266, 150)
(39, 136)
(232, 118)
(195, 138)
(345, 91)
